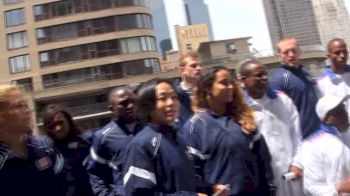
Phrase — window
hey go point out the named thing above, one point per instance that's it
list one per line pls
(97, 50)
(231, 48)
(15, 17)
(25, 83)
(19, 64)
(17, 40)
(189, 47)
(11, 1)
(40, 33)
(38, 10)
(134, 45)
(44, 56)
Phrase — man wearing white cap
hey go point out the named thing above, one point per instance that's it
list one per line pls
(325, 155)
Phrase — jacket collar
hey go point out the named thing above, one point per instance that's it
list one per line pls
(328, 72)
(269, 93)
(330, 129)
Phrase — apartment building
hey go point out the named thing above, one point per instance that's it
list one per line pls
(72, 52)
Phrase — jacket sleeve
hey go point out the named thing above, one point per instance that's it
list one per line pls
(210, 152)
(197, 144)
(99, 187)
(264, 160)
(139, 172)
(313, 174)
(97, 165)
(295, 128)
(276, 82)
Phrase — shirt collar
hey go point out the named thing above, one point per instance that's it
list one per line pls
(185, 87)
(269, 93)
(328, 72)
(330, 129)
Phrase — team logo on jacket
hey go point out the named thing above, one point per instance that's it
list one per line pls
(154, 141)
(43, 163)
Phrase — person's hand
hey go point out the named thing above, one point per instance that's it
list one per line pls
(297, 171)
(221, 190)
(343, 186)
(201, 194)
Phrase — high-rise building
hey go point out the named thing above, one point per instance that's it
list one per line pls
(72, 52)
(312, 22)
(296, 18)
(190, 37)
(168, 14)
(197, 12)
(333, 20)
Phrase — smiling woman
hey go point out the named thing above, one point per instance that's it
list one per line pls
(74, 146)
(233, 153)
(155, 159)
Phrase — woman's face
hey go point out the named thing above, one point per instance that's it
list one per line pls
(222, 88)
(167, 105)
(59, 128)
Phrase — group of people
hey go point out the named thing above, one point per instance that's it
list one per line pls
(210, 134)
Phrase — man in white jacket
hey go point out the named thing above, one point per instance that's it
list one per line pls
(325, 154)
(278, 120)
(335, 78)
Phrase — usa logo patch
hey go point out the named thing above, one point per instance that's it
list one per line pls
(43, 163)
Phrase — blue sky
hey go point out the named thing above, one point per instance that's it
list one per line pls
(241, 18)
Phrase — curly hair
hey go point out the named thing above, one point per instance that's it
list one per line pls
(6, 90)
(240, 111)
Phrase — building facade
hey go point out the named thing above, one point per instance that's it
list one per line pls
(197, 12)
(165, 18)
(333, 20)
(312, 22)
(72, 52)
(286, 18)
(188, 12)
(189, 37)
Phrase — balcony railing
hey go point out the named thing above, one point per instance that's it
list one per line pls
(84, 110)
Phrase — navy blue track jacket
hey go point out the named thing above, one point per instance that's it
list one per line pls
(185, 107)
(223, 154)
(75, 150)
(105, 163)
(296, 83)
(156, 164)
(39, 174)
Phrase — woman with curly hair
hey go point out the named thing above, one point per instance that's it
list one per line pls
(223, 139)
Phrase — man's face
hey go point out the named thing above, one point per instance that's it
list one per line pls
(122, 105)
(338, 53)
(191, 69)
(289, 53)
(338, 117)
(257, 79)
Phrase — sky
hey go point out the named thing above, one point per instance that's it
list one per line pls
(242, 18)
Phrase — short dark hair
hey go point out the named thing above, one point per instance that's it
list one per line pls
(244, 66)
(110, 95)
(146, 99)
(49, 113)
(334, 40)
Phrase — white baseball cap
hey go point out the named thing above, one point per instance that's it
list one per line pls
(327, 103)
